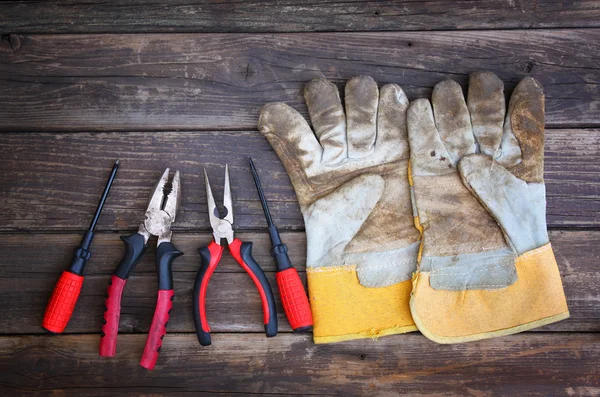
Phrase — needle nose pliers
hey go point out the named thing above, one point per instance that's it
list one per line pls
(242, 252)
(161, 212)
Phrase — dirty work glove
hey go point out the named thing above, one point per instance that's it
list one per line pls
(487, 268)
(350, 177)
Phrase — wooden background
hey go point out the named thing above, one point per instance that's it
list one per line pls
(180, 84)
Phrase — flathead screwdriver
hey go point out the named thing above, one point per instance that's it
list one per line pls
(293, 296)
(67, 289)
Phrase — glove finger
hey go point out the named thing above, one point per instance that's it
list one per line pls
(294, 142)
(327, 117)
(392, 137)
(487, 108)
(428, 156)
(525, 121)
(452, 119)
(362, 97)
(518, 207)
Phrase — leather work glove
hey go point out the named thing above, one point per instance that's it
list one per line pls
(486, 268)
(350, 177)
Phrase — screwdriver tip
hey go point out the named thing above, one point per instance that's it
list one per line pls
(117, 162)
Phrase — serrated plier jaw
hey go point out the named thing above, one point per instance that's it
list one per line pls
(162, 208)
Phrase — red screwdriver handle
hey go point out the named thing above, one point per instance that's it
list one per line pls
(294, 300)
(158, 329)
(62, 303)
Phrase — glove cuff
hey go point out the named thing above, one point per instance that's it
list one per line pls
(535, 299)
(343, 309)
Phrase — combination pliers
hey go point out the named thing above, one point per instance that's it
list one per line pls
(161, 212)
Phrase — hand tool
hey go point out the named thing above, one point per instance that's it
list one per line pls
(66, 291)
(293, 295)
(161, 212)
(241, 252)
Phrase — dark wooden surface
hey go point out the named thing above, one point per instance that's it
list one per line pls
(41, 170)
(180, 84)
(541, 364)
(219, 81)
(126, 16)
(233, 303)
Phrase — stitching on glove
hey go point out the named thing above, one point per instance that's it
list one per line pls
(536, 251)
(447, 231)
(440, 272)
(443, 185)
(389, 283)
(476, 285)
(476, 249)
(371, 248)
(331, 269)
(365, 267)
(425, 195)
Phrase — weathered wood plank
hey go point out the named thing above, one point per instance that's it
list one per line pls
(233, 301)
(290, 16)
(527, 364)
(53, 181)
(220, 81)
(31, 264)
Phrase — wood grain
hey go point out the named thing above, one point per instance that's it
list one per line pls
(74, 100)
(527, 364)
(31, 264)
(290, 16)
(220, 81)
(52, 182)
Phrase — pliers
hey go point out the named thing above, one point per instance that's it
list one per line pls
(161, 212)
(242, 252)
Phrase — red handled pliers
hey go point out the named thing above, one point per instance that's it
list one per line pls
(163, 206)
(242, 252)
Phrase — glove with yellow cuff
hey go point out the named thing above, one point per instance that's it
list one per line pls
(486, 268)
(350, 177)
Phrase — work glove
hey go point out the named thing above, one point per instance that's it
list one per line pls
(350, 177)
(486, 268)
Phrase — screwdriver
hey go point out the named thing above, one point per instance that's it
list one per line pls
(293, 296)
(67, 289)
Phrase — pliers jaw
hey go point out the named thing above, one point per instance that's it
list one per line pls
(160, 214)
(222, 227)
(162, 209)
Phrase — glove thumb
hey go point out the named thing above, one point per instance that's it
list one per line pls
(326, 234)
(519, 207)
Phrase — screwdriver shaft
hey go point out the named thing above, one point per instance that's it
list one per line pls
(261, 193)
(109, 183)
